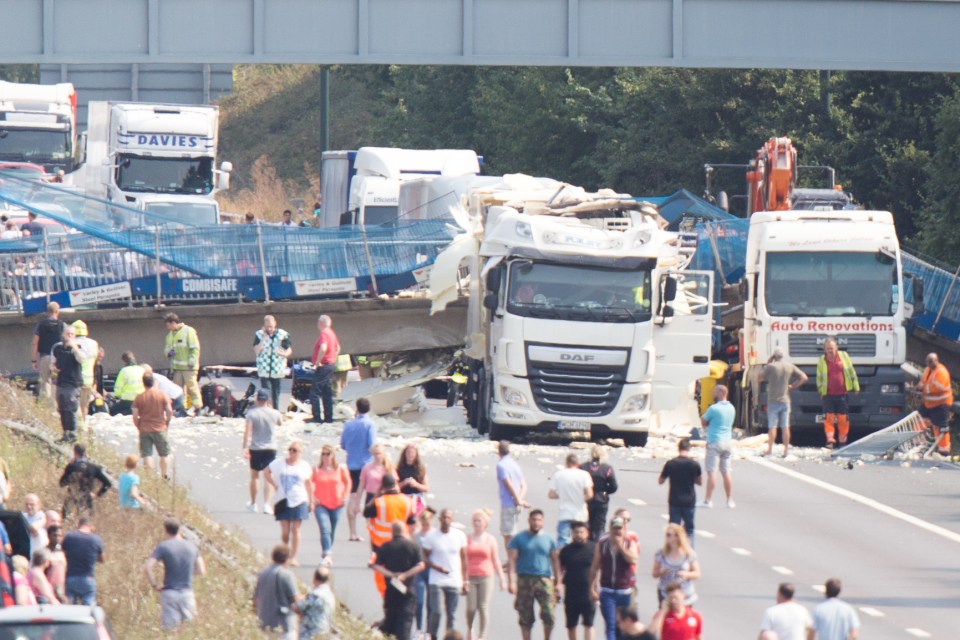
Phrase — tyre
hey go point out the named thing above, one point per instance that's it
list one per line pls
(501, 432)
(482, 408)
(633, 438)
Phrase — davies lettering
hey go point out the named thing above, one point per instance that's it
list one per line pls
(168, 140)
(576, 357)
(209, 285)
(828, 326)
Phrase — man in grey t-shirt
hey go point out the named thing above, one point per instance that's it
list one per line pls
(260, 447)
(781, 377)
(275, 593)
(181, 559)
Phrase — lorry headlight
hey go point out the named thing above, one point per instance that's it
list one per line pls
(524, 230)
(636, 403)
(513, 397)
(889, 388)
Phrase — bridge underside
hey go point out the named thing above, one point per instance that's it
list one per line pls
(226, 331)
(894, 35)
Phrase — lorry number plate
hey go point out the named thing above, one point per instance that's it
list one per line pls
(574, 425)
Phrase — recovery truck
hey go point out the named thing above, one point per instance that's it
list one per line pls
(38, 125)
(159, 158)
(363, 187)
(816, 267)
(581, 316)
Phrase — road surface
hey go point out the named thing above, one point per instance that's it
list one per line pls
(893, 539)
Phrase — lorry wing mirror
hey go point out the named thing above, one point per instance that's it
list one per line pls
(669, 288)
(493, 279)
(223, 181)
(491, 301)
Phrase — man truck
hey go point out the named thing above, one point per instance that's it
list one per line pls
(818, 267)
(581, 315)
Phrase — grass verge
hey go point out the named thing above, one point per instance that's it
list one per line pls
(224, 594)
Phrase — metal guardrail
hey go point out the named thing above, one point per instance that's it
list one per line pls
(905, 435)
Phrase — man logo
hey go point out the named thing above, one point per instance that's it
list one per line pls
(576, 357)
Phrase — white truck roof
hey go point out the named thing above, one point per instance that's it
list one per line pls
(396, 163)
(39, 95)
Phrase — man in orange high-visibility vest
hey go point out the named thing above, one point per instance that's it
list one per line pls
(937, 399)
(381, 512)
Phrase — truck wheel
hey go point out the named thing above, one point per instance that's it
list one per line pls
(471, 398)
(482, 408)
(501, 432)
(633, 438)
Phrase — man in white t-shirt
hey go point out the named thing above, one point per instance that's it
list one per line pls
(445, 554)
(786, 620)
(573, 487)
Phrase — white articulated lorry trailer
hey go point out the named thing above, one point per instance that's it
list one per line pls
(582, 317)
(158, 158)
(362, 187)
(38, 124)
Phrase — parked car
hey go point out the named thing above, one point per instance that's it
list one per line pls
(55, 621)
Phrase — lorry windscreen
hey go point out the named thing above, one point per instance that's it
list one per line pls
(34, 145)
(165, 175)
(817, 283)
(575, 292)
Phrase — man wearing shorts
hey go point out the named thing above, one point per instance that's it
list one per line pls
(181, 559)
(513, 491)
(260, 447)
(534, 575)
(575, 561)
(152, 412)
(718, 420)
(781, 377)
(356, 439)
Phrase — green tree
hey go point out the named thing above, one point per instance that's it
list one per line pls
(941, 216)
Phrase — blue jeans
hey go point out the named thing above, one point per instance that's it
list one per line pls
(564, 533)
(327, 519)
(610, 601)
(683, 515)
(421, 583)
(322, 392)
(451, 598)
(81, 590)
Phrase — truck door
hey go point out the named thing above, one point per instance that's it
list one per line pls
(682, 335)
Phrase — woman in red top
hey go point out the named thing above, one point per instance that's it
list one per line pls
(331, 486)
(483, 564)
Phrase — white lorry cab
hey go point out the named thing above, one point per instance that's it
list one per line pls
(38, 124)
(582, 317)
(362, 187)
(156, 156)
(819, 273)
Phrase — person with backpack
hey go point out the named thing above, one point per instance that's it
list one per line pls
(79, 477)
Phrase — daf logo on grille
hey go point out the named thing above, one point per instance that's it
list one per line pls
(576, 357)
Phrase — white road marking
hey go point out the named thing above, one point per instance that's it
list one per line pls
(704, 533)
(740, 552)
(952, 536)
(873, 613)
(918, 633)
(782, 570)
(637, 501)
(819, 587)
(664, 516)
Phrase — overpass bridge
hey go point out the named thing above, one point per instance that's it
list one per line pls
(892, 35)
(367, 326)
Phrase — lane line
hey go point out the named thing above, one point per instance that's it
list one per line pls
(664, 516)
(637, 501)
(873, 613)
(740, 552)
(782, 570)
(918, 633)
(819, 588)
(952, 536)
(704, 533)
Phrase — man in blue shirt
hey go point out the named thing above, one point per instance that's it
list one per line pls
(718, 420)
(358, 436)
(534, 574)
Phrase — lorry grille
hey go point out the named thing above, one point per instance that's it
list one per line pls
(811, 345)
(575, 390)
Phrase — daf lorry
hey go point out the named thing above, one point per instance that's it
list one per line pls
(38, 125)
(581, 315)
(362, 187)
(158, 158)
